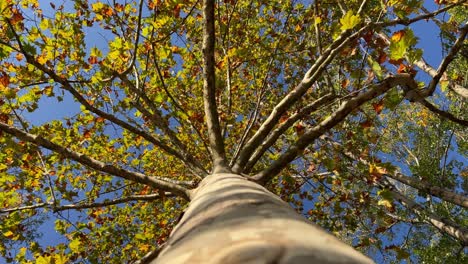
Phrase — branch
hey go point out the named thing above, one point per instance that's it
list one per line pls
(442, 113)
(447, 60)
(442, 193)
(79, 206)
(96, 164)
(67, 86)
(407, 22)
(149, 197)
(157, 119)
(335, 118)
(175, 102)
(442, 224)
(275, 134)
(209, 89)
(296, 94)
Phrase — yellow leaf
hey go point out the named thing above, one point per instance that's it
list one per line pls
(97, 6)
(374, 169)
(41, 59)
(44, 260)
(75, 245)
(8, 234)
(45, 24)
(317, 20)
(349, 20)
(60, 259)
(385, 203)
(144, 247)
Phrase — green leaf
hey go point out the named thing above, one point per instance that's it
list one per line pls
(349, 20)
(401, 42)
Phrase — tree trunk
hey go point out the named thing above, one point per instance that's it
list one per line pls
(232, 220)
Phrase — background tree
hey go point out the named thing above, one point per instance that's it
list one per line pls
(328, 104)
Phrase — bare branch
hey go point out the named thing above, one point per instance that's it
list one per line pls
(209, 89)
(96, 164)
(79, 206)
(447, 60)
(442, 193)
(275, 134)
(442, 224)
(26, 207)
(406, 21)
(444, 114)
(335, 118)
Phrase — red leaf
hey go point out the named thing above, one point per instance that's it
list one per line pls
(300, 129)
(378, 107)
(366, 124)
(382, 58)
(93, 60)
(283, 118)
(176, 11)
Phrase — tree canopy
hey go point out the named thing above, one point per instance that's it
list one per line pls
(112, 111)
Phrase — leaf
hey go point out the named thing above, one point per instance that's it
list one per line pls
(378, 107)
(386, 203)
(75, 245)
(397, 36)
(8, 234)
(401, 42)
(349, 20)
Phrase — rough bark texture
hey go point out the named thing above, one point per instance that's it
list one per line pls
(232, 220)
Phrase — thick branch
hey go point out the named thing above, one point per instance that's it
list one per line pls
(209, 89)
(96, 164)
(335, 118)
(275, 134)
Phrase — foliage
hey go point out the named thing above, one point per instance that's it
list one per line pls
(109, 91)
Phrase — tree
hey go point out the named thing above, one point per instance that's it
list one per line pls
(200, 131)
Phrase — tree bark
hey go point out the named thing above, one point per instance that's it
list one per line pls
(232, 220)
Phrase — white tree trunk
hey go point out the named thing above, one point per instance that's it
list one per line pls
(232, 220)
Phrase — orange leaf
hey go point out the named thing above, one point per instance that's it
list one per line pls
(87, 133)
(398, 35)
(4, 79)
(344, 83)
(176, 11)
(109, 11)
(19, 56)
